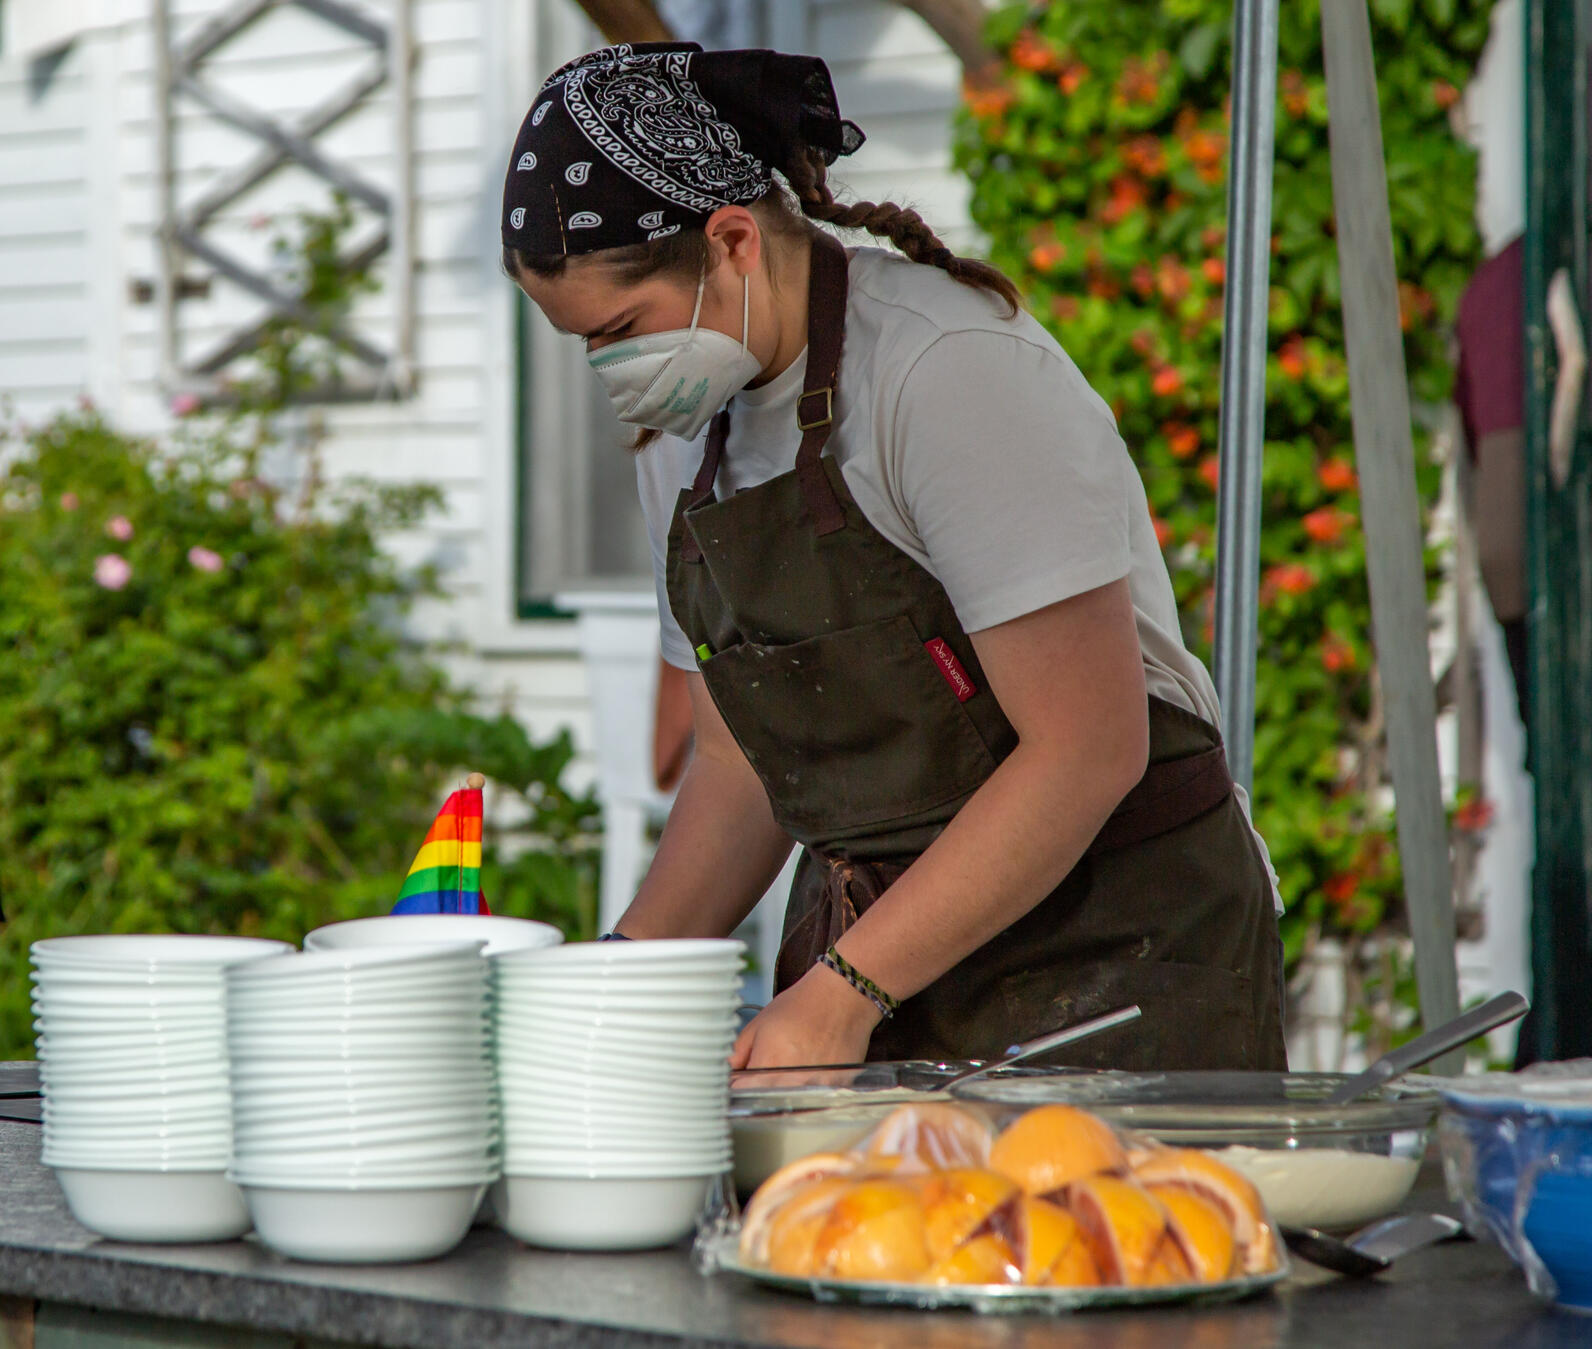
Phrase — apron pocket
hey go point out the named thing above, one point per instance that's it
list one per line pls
(849, 729)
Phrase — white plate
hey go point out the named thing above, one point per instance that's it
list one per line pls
(533, 1160)
(603, 1044)
(992, 1299)
(399, 1002)
(125, 950)
(463, 1040)
(635, 1073)
(714, 950)
(599, 1215)
(370, 1226)
(500, 933)
(450, 1156)
(624, 1112)
(416, 1103)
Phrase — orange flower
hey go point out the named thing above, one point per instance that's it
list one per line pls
(1210, 471)
(1127, 196)
(1073, 74)
(1215, 270)
(1141, 80)
(1205, 148)
(1143, 280)
(1292, 358)
(1163, 531)
(1336, 654)
(1181, 438)
(1444, 94)
(1167, 381)
(1341, 887)
(986, 102)
(1213, 236)
(1337, 475)
(1295, 93)
(1287, 578)
(1103, 286)
(1145, 155)
(1171, 279)
(1474, 816)
(1143, 342)
(1415, 305)
(1043, 257)
(1031, 52)
(1327, 524)
(1064, 307)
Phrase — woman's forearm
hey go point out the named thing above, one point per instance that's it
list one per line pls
(719, 853)
(1013, 842)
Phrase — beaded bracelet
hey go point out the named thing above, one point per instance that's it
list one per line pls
(860, 981)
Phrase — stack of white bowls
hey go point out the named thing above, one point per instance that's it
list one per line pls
(363, 1118)
(612, 1067)
(133, 1061)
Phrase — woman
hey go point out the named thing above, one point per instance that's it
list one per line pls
(913, 574)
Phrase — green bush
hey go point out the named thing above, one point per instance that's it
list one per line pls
(209, 720)
(1099, 176)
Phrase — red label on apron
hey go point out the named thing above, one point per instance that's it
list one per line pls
(951, 668)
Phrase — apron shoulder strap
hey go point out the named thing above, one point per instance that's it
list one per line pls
(815, 409)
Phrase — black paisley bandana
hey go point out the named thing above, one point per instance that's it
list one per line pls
(631, 143)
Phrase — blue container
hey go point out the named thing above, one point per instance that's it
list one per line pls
(1518, 1152)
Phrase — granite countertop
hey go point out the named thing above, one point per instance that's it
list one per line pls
(492, 1291)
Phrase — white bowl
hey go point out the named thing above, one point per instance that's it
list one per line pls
(543, 1158)
(395, 961)
(418, 1120)
(598, 1089)
(213, 1158)
(577, 1121)
(714, 951)
(577, 1214)
(590, 1168)
(136, 1112)
(461, 1040)
(600, 1046)
(500, 933)
(621, 1111)
(362, 1226)
(296, 1161)
(254, 1084)
(553, 1070)
(111, 1003)
(94, 1049)
(125, 950)
(656, 1020)
(417, 1102)
(155, 1206)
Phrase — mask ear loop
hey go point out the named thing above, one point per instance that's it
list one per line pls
(696, 312)
(746, 311)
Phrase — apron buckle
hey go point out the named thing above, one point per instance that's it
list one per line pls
(803, 423)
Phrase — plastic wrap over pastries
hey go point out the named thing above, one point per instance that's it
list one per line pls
(935, 1195)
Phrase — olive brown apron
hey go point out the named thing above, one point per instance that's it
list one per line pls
(840, 667)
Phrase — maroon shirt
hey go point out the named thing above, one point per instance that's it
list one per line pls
(1490, 384)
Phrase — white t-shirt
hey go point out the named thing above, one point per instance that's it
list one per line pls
(972, 442)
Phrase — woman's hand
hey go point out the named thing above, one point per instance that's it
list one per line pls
(819, 1019)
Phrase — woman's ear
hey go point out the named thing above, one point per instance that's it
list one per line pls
(734, 237)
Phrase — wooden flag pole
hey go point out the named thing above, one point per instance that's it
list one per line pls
(1385, 455)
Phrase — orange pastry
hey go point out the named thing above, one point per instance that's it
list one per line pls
(1237, 1199)
(926, 1137)
(1047, 1149)
(1201, 1231)
(874, 1230)
(985, 1259)
(794, 1226)
(957, 1203)
(1053, 1246)
(787, 1181)
(1127, 1233)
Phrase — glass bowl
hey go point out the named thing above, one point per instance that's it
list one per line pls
(1332, 1167)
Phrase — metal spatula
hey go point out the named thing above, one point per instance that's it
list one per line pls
(1053, 1040)
(1424, 1048)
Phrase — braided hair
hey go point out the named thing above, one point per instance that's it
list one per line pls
(903, 227)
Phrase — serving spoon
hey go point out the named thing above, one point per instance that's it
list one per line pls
(1461, 1030)
(1372, 1249)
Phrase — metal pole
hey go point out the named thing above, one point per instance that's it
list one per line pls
(167, 260)
(1243, 409)
(1384, 451)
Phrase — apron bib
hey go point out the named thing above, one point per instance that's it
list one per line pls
(839, 665)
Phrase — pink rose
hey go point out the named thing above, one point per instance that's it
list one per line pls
(112, 571)
(69, 501)
(204, 559)
(185, 405)
(119, 527)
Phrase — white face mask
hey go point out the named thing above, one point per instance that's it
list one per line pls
(675, 381)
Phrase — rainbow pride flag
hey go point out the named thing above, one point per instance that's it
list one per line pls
(446, 875)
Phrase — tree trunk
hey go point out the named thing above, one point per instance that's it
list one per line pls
(627, 20)
(958, 23)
